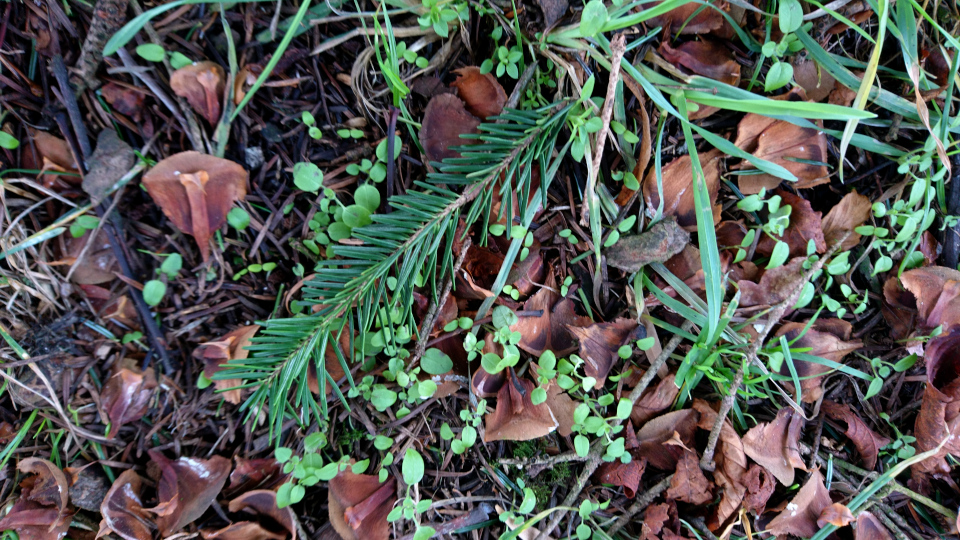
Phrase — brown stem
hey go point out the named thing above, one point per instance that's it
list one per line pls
(642, 502)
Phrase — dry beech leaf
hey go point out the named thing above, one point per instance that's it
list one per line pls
(867, 442)
(599, 344)
(252, 474)
(775, 285)
(775, 445)
(201, 83)
(482, 95)
(195, 191)
(187, 487)
(272, 523)
(760, 485)
(731, 464)
(51, 155)
(704, 57)
(677, 177)
(899, 308)
(124, 99)
(800, 516)
(654, 400)
(659, 243)
(805, 225)
(651, 437)
(516, 418)
(216, 354)
(937, 293)
(827, 338)
(707, 20)
(836, 514)
(781, 142)
(815, 81)
(851, 212)
(551, 330)
(444, 121)
(562, 406)
(939, 416)
(870, 528)
(359, 504)
(122, 509)
(42, 511)
(127, 395)
(689, 483)
(98, 264)
(49, 486)
(477, 274)
(625, 475)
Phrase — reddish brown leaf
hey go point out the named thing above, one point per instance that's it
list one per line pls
(124, 99)
(760, 485)
(32, 521)
(195, 191)
(836, 514)
(201, 83)
(899, 308)
(815, 81)
(654, 400)
(359, 504)
(775, 285)
(805, 225)
(562, 406)
(678, 19)
(704, 57)
(867, 442)
(651, 437)
(552, 330)
(870, 528)
(444, 121)
(677, 180)
(216, 354)
(272, 523)
(785, 144)
(800, 516)
(42, 511)
(731, 462)
(827, 338)
(484, 384)
(482, 95)
(775, 445)
(939, 417)
(654, 520)
(122, 510)
(251, 474)
(625, 475)
(599, 344)
(689, 483)
(187, 487)
(48, 486)
(851, 212)
(53, 155)
(937, 293)
(127, 394)
(516, 418)
(98, 265)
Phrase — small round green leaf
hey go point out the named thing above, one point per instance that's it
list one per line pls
(151, 52)
(368, 197)
(153, 292)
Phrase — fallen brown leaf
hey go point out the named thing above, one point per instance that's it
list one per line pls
(127, 394)
(551, 330)
(253, 474)
(867, 442)
(122, 509)
(870, 528)
(125, 99)
(784, 144)
(775, 285)
(760, 485)
(516, 418)
(216, 354)
(800, 516)
(195, 191)
(677, 181)
(731, 462)
(187, 487)
(939, 416)
(359, 504)
(444, 121)
(775, 445)
(688, 483)
(815, 81)
(937, 293)
(98, 265)
(899, 308)
(42, 511)
(482, 95)
(625, 475)
(599, 344)
(706, 20)
(827, 338)
(272, 523)
(851, 212)
(651, 437)
(836, 514)
(201, 83)
(654, 401)
(705, 57)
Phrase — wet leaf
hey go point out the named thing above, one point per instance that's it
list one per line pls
(251, 474)
(122, 509)
(201, 83)
(870, 528)
(42, 511)
(98, 265)
(659, 243)
(775, 445)
(516, 418)
(126, 395)
(482, 95)
(359, 504)
(689, 483)
(196, 191)
(760, 485)
(551, 330)
(216, 354)
(800, 516)
(444, 121)
(867, 442)
(677, 180)
(937, 293)
(654, 400)
(599, 344)
(680, 425)
(836, 514)
(625, 475)
(124, 99)
(939, 416)
(802, 151)
(705, 57)
(187, 487)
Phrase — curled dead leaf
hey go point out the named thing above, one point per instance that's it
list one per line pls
(252, 474)
(271, 523)
(444, 121)
(551, 330)
(939, 417)
(867, 442)
(851, 212)
(42, 511)
(827, 338)
(359, 504)
(127, 394)
(731, 465)
(775, 445)
(937, 293)
(774, 286)
(680, 425)
(482, 95)
(201, 83)
(654, 400)
(800, 150)
(688, 483)
(516, 418)
(705, 57)
(800, 516)
(216, 354)
(122, 509)
(599, 344)
(195, 191)
(677, 180)
(187, 487)
(760, 485)
(836, 514)
(870, 528)
(625, 475)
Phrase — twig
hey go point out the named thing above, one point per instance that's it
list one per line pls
(436, 306)
(774, 316)
(896, 523)
(642, 502)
